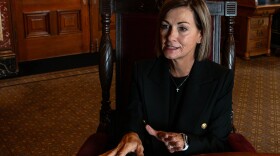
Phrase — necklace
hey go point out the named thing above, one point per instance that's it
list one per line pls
(178, 86)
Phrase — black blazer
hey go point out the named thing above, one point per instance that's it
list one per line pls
(207, 100)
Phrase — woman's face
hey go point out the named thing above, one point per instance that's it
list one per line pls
(179, 34)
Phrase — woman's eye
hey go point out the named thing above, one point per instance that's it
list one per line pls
(183, 29)
(164, 26)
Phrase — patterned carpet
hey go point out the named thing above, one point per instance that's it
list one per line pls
(53, 113)
(256, 102)
(49, 114)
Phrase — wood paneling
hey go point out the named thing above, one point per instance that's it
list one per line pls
(69, 22)
(37, 24)
(52, 28)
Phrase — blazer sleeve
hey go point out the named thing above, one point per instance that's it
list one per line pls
(220, 125)
(133, 115)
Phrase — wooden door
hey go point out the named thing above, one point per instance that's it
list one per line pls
(50, 28)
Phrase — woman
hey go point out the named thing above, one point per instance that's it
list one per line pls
(180, 103)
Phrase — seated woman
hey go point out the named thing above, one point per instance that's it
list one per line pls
(180, 102)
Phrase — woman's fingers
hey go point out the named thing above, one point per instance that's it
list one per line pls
(173, 141)
(163, 136)
(126, 149)
(151, 131)
(129, 143)
(173, 149)
(158, 134)
(140, 151)
(120, 150)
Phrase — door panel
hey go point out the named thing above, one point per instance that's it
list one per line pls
(51, 28)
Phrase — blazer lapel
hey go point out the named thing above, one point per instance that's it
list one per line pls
(200, 81)
(157, 94)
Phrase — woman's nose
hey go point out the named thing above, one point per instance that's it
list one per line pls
(172, 34)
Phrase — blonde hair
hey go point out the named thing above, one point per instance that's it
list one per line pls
(202, 20)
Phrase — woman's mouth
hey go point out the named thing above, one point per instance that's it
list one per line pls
(168, 47)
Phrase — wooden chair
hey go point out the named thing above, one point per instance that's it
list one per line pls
(133, 14)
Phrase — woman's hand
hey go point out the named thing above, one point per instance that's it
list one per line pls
(173, 141)
(129, 143)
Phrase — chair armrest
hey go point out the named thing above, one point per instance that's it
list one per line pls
(94, 145)
(239, 143)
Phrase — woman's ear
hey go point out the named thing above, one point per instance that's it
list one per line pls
(199, 38)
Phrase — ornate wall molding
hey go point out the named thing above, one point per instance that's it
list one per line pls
(5, 40)
(8, 63)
